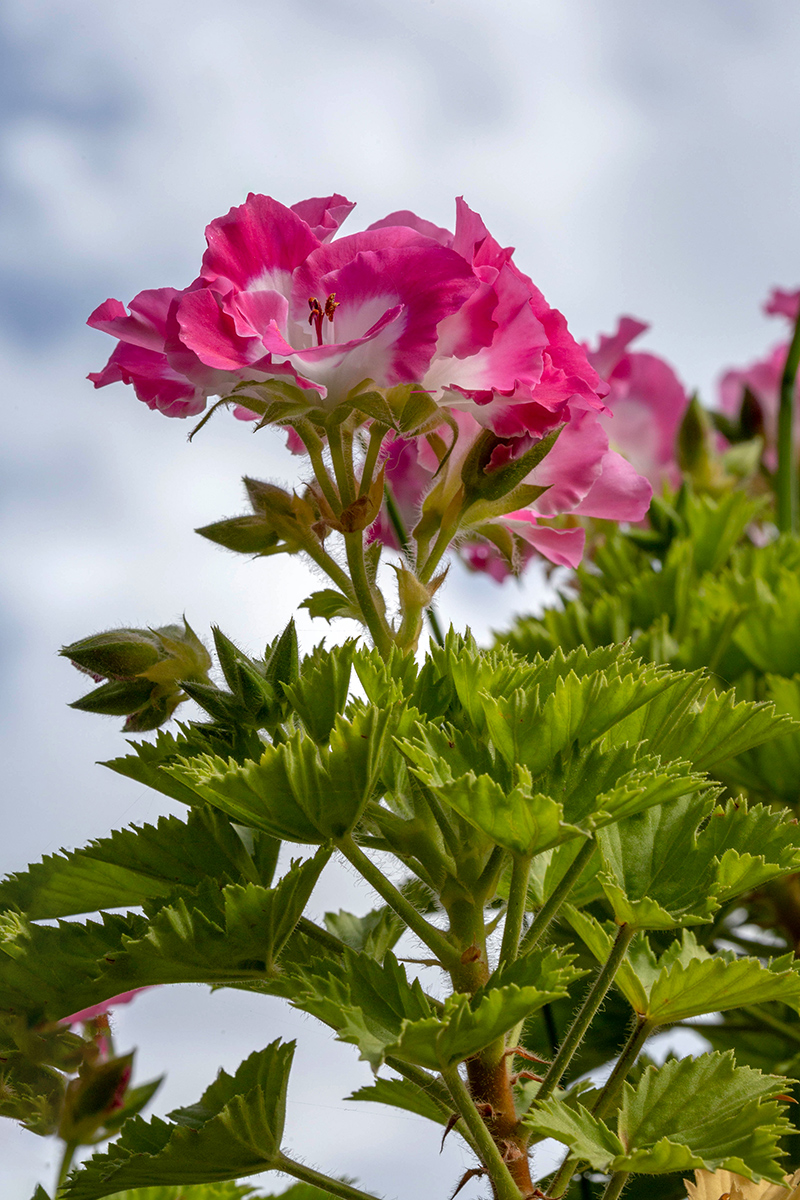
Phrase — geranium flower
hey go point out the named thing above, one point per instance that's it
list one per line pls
(713, 1185)
(646, 403)
(761, 380)
(402, 302)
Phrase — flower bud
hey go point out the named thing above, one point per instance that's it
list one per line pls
(143, 668)
(95, 1095)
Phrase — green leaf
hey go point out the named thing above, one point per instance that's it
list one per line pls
(299, 790)
(51, 971)
(463, 1029)
(234, 1130)
(402, 1093)
(374, 933)
(659, 872)
(199, 1191)
(330, 604)
(702, 1113)
(319, 695)
(133, 865)
(365, 1002)
(219, 935)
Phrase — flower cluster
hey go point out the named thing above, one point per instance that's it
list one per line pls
(278, 302)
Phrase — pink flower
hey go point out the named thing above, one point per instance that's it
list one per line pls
(646, 402)
(402, 302)
(763, 378)
(582, 477)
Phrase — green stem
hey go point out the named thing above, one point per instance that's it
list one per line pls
(66, 1163)
(313, 444)
(376, 435)
(374, 620)
(490, 1156)
(517, 903)
(786, 478)
(630, 1052)
(581, 1023)
(433, 938)
(342, 468)
(401, 533)
(554, 901)
(434, 1089)
(331, 568)
(445, 537)
(615, 1185)
(334, 1187)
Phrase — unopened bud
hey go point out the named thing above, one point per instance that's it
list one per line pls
(692, 443)
(96, 1094)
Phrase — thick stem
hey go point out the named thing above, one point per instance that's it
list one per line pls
(502, 1180)
(308, 1175)
(786, 478)
(374, 620)
(577, 1029)
(433, 938)
(553, 903)
(517, 903)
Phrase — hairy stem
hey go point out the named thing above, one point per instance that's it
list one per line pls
(313, 444)
(365, 598)
(553, 903)
(517, 903)
(615, 1185)
(503, 1183)
(605, 1100)
(342, 463)
(376, 435)
(786, 478)
(577, 1029)
(335, 1187)
(433, 938)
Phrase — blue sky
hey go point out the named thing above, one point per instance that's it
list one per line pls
(642, 157)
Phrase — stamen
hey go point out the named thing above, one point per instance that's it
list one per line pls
(331, 304)
(316, 316)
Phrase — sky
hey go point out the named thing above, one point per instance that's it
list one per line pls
(643, 158)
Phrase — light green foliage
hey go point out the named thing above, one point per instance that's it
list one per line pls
(402, 1093)
(374, 933)
(660, 872)
(686, 981)
(299, 790)
(234, 1130)
(319, 694)
(692, 1113)
(199, 1191)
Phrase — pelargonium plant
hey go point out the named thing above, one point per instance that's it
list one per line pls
(578, 837)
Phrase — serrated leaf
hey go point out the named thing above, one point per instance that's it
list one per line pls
(133, 865)
(402, 1093)
(702, 1113)
(463, 1030)
(319, 695)
(659, 872)
(299, 790)
(329, 604)
(234, 1130)
(198, 1191)
(219, 935)
(365, 1002)
(374, 933)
